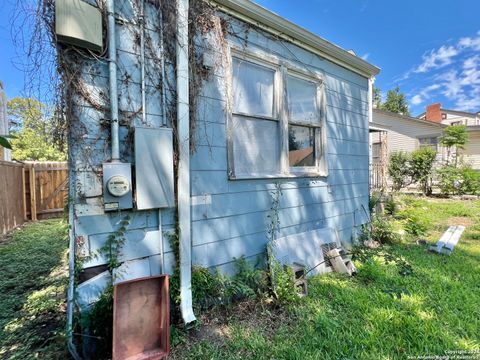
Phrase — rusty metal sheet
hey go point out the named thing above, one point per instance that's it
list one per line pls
(141, 319)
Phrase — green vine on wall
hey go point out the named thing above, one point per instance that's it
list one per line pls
(97, 322)
(281, 277)
(112, 249)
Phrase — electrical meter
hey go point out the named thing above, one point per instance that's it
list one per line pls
(118, 185)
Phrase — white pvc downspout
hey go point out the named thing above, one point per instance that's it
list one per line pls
(183, 133)
(112, 71)
(71, 272)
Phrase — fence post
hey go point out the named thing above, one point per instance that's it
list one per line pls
(24, 187)
(33, 201)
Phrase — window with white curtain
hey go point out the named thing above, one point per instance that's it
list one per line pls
(276, 127)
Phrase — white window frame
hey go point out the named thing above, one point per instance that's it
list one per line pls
(281, 115)
(429, 138)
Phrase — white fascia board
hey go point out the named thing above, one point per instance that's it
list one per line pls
(257, 15)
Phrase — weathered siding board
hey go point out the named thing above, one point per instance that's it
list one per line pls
(403, 134)
(247, 37)
(229, 218)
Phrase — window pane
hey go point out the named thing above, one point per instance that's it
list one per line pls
(431, 141)
(252, 88)
(256, 147)
(302, 104)
(301, 140)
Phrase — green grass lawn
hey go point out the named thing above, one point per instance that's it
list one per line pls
(342, 318)
(437, 311)
(33, 280)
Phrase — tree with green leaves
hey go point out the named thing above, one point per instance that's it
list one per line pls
(33, 130)
(454, 136)
(377, 97)
(396, 102)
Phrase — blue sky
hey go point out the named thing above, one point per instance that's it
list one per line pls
(430, 48)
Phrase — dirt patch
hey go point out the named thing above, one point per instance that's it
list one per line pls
(216, 324)
(460, 220)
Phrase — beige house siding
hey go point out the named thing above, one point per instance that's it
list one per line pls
(471, 154)
(403, 132)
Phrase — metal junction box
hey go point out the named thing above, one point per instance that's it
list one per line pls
(154, 168)
(117, 186)
(78, 23)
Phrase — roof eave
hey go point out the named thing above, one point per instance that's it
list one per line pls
(410, 118)
(273, 23)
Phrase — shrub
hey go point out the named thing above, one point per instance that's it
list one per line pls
(383, 231)
(415, 226)
(213, 288)
(470, 181)
(449, 179)
(421, 167)
(399, 169)
(458, 181)
(283, 283)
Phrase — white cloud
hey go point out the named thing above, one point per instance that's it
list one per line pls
(470, 42)
(459, 82)
(462, 87)
(365, 56)
(434, 59)
(417, 100)
(424, 94)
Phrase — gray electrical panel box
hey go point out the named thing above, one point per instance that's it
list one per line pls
(78, 23)
(117, 186)
(154, 168)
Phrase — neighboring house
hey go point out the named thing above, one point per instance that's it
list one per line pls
(275, 111)
(391, 132)
(436, 114)
(5, 154)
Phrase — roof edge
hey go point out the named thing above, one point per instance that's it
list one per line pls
(273, 23)
(411, 118)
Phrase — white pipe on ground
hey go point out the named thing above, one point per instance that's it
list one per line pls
(112, 70)
(183, 134)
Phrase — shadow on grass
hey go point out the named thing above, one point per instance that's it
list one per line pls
(358, 318)
(32, 291)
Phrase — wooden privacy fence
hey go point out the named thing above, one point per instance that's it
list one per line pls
(12, 212)
(31, 191)
(46, 188)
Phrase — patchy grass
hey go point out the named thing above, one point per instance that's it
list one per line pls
(376, 315)
(33, 284)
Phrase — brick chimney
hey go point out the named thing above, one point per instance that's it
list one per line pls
(434, 113)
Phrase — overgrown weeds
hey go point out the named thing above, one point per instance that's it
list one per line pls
(32, 291)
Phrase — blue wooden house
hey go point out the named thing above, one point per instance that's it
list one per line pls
(210, 124)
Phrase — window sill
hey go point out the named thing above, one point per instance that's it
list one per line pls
(298, 175)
